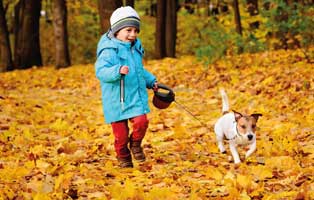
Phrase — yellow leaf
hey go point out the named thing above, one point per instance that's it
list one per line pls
(59, 125)
(157, 193)
(229, 179)
(42, 164)
(244, 196)
(309, 149)
(268, 80)
(262, 172)
(179, 130)
(243, 181)
(214, 173)
(281, 162)
(125, 190)
(41, 196)
(281, 195)
(97, 195)
(63, 181)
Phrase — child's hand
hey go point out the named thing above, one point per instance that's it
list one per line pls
(124, 70)
(155, 87)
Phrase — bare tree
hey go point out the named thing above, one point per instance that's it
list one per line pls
(171, 28)
(166, 28)
(5, 50)
(160, 29)
(27, 46)
(61, 34)
(106, 7)
(237, 16)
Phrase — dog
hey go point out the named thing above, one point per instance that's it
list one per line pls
(238, 129)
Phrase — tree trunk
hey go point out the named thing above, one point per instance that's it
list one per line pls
(166, 28)
(161, 29)
(171, 28)
(5, 49)
(129, 3)
(27, 46)
(61, 34)
(105, 8)
(237, 16)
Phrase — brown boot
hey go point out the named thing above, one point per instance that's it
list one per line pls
(125, 162)
(137, 151)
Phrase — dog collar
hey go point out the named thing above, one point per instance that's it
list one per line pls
(236, 131)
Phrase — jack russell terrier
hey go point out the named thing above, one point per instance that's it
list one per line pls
(238, 129)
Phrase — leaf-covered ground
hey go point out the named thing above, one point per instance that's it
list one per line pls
(54, 144)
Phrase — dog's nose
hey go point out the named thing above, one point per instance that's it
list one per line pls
(250, 137)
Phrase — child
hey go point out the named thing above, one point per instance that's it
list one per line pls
(123, 81)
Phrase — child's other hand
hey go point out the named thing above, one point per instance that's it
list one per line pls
(124, 70)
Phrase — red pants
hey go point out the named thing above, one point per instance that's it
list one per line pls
(121, 133)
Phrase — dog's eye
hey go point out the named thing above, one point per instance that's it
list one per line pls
(243, 126)
(253, 126)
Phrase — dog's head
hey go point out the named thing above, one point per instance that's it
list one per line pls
(246, 124)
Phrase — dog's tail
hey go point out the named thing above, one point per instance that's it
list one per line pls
(225, 102)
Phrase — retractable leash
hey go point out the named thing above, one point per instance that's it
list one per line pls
(162, 100)
(185, 109)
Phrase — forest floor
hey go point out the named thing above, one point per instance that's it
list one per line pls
(54, 143)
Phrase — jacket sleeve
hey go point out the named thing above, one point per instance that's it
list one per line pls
(149, 78)
(107, 66)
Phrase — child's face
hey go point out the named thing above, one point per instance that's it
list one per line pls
(127, 34)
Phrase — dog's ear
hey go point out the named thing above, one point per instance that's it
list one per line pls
(237, 115)
(256, 116)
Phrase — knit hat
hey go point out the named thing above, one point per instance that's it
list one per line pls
(124, 17)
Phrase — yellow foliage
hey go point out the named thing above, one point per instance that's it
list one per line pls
(214, 173)
(55, 145)
(262, 172)
(157, 193)
(243, 181)
(126, 190)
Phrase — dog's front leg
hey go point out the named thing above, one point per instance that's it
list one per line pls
(251, 150)
(220, 139)
(234, 152)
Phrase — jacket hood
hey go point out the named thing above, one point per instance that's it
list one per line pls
(107, 42)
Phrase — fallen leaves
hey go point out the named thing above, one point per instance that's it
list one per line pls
(54, 144)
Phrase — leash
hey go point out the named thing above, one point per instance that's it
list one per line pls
(163, 100)
(194, 117)
(191, 114)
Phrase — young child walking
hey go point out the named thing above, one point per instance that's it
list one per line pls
(124, 82)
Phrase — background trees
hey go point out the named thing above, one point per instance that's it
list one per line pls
(208, 29)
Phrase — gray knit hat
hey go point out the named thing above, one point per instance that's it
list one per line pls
(123, 17)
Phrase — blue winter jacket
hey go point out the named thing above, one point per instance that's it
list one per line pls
(111, 55)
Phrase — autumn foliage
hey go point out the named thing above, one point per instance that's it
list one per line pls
(55, 145)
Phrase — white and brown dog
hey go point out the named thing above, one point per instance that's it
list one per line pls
(238, 129)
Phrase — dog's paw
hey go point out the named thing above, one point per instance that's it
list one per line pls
(237, 165)
(230, 159)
